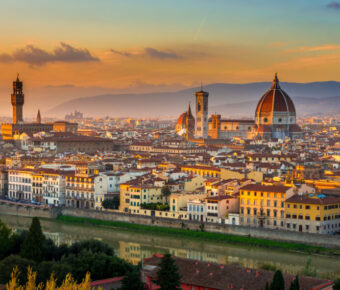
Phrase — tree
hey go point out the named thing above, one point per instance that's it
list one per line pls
(166, 192)
(168, 277)
(32, 247)
(295, 285)
(132, 281)
(8, 264)
(278, 281)
(111, 203)
(336, 284)
(7, 241)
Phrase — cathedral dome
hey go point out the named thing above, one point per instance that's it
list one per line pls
(183, 120)
(275, 100)
(275, 106)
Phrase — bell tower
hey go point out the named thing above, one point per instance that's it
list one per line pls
(201, 129)
(17, 99)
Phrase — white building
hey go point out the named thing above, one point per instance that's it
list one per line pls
(20, 184)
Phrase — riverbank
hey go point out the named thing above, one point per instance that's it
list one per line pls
(208, 236)
(232, 234)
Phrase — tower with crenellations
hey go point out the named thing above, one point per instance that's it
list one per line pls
(17, 100)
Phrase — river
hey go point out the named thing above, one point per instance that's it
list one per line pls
(134, 246)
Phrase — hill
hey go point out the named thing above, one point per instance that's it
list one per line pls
(226, 99)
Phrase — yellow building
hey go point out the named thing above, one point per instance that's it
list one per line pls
(264, 206)
(202, 170)
(323, 183)
(124, 197)
(313, 214)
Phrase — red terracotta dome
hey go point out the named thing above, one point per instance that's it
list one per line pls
(182, 119)
(275, 100)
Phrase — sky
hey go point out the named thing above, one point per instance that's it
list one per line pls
(145, 45)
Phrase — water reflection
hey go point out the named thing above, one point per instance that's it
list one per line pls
(134, 246)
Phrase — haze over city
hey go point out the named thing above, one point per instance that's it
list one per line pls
(109, 47)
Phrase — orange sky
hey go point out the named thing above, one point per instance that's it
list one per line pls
(126, 44)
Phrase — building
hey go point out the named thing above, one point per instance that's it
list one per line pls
(185, 125)
(54, 186)
(17, 127)
(80, 187)
(63, 126)
(275, 115)
(264, 205)
(17, 100)
(219, 207)
(201, 128)
(199, 275)
(3, 181)
(303, 172)
(20, 184)
(319, 214)
(228, 128)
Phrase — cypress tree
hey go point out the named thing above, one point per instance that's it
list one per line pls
(278, 281)
(295, 285)
(168, 277)
(132, 281)
(32, 247)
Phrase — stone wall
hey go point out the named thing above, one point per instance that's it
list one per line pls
(19, 209)
(279, 235)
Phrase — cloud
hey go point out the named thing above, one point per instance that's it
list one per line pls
(123, 53)
(37, 56)
(319, 48)
(149, 52)
(334, 5)
(154, 53)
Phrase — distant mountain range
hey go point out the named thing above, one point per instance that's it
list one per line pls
(229, 100)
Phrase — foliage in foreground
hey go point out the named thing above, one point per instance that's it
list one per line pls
(32, 250)
(67, 284)
(168, 276)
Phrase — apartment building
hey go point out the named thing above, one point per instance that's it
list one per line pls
(313, 213)
(264, 205)
(20, 184)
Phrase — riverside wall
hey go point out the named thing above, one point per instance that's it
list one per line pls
(328, 241)
(27, 210)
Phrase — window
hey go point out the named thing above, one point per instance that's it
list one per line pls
(307, 207)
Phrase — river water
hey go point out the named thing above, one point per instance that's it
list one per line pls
(134, 246)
